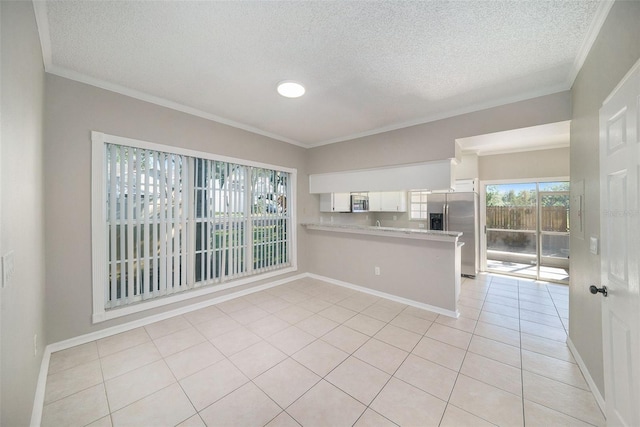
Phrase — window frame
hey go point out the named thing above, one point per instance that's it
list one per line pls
(99, 238)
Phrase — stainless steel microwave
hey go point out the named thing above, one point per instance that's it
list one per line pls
(359, 203)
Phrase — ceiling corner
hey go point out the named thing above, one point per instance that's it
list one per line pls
(592, 34)
(42, 22)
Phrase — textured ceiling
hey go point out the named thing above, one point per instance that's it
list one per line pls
(367, 66)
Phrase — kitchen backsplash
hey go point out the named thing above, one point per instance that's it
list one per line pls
(387, 219)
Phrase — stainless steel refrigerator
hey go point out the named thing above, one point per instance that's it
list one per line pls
(458, 212)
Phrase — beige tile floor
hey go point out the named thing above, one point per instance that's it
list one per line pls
(314, 354)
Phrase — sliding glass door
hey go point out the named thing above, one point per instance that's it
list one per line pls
(511, 233)
(527, 229)
(553, 199)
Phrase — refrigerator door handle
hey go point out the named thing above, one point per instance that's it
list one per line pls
(445, 217)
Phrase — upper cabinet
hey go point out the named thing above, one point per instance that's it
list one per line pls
(388, 201)
(463, 186)
(335, 202)
(467, 186)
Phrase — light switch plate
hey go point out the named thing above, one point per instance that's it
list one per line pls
(7, 268)
(593, 245)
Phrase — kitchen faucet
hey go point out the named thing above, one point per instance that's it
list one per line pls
(377, 223)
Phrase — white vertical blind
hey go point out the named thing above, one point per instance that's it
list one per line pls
(184, 231)
(175, 222)
(147, 215)
(270, 219)
(140, 227)
(112, 289)
(147, 234)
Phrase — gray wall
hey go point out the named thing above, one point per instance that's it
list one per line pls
(430, 141)
(22, 210)
(419, 270)
(72, 111)
(616, 49)
(436, 140)
(467, 167)
(525, 165)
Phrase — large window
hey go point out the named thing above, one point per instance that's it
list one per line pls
(167, 221)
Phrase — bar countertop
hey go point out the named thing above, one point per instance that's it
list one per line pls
(409, 233)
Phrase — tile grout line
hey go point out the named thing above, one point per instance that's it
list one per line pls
(520, 347)
(368, 406)
(323, 377)
(351, 354)
(334, 368)
(553, 379)
(448, 402)
(557, 311)
(251, 380)
(396, 370)
(524, 415)
(284, 409)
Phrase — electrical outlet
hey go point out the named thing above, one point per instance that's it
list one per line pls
(376, 270)
(421, 225)
(8, 268)
(395, 217)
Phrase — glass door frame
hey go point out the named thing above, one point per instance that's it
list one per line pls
(540, 194)
(483, 219)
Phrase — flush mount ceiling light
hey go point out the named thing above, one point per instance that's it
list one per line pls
(290, 89)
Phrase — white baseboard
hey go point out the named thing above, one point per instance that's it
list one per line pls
(587, 376)
(385, 295)
(38, 400)
(36, 413)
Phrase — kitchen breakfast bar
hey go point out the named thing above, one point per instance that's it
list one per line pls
(414, 266)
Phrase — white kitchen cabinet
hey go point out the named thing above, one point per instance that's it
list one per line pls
(394, 201)
(388, 201)
(375, 202)
(335, 202)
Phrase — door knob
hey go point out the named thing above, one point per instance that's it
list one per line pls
(594, 290)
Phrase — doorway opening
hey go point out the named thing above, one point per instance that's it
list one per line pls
(527, 229)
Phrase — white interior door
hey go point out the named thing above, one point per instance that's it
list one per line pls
(619, 228)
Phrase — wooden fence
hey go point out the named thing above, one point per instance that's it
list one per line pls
(553, 218)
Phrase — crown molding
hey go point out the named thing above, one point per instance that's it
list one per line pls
(143, 96)
(592, 34)
(42, 21)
